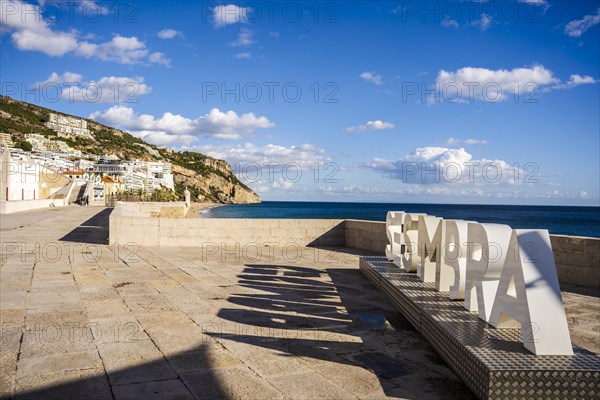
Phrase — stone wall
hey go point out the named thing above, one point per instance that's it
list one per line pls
(157, 209)
(365, 235)
(577, 259)
(129, 224)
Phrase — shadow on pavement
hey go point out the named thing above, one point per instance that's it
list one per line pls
(93, 231)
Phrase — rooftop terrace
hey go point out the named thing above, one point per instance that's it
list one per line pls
(81, 319)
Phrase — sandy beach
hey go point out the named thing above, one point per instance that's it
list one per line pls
(196, 209)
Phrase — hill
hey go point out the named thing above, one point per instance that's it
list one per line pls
(208, 179)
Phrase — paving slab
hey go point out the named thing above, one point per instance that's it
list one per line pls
(171, 389)
(134, 362)
(55, 363)
(235, 382)
(89, 384)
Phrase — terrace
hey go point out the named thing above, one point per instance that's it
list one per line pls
(82, 318)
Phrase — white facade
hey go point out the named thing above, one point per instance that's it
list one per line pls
(84, 164)
(19, 178)
(138, 175)
(42, 144)
(68, 125)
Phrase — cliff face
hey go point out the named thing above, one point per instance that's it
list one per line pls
(208, 179)
(214, 187)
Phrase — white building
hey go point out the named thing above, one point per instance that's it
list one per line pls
(19, 178)
(66, 126)
(27, 177)
(36, 140)
(138, 175)
(6, 140)
(84, 164)
(42, 144)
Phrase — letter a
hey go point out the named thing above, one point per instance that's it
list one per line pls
(529, 294)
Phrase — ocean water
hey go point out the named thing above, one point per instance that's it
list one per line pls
(578, 221)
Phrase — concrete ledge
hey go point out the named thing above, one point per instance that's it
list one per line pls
(492, 362)
(155, 209)
(13, 206)
(128, 224)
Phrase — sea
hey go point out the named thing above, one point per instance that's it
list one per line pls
(561, 220)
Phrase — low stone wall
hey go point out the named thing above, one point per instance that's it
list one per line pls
(13, 206)
(577, 259)
(129, 224)
(157, 209)
(365, 235)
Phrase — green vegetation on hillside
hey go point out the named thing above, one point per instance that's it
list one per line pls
(25, 146)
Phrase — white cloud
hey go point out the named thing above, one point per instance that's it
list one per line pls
(460, 193)
(484, 22)
(91, 8)
(121, 49)
(458, 142)
(581, 80)
(583, 194)
(159, 59)
(441, 165)
(30, 31)
(244, 38)
(576, 80)
(163, 138)
(108, 89)
(274, 34)
(65, 77)
(249, 155)
(578, 27)
(534, 2)
(449, 23)
(282, 184)
(372, 77)
(215, 124)
(541, 3)
(168, 33)
(468, 84)
(275, 168)
(230, 14)
(369, 126)
(244, 55)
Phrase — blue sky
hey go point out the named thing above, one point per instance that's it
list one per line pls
(438, 102)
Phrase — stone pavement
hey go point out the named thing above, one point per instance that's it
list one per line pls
(81, 319)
